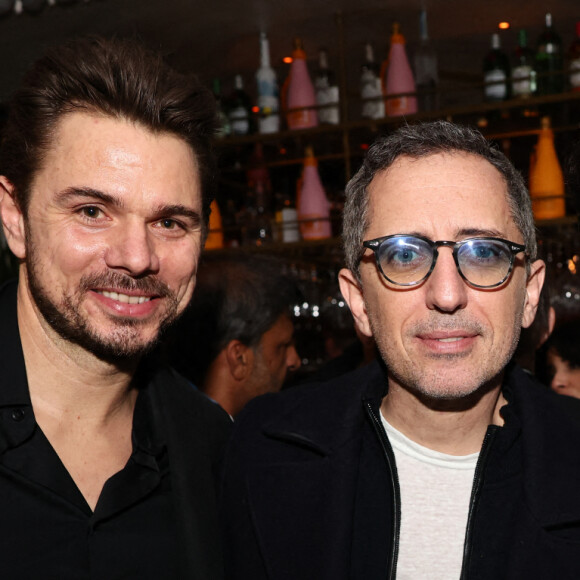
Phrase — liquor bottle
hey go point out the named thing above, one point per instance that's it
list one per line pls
(496, 72)
(224, 127)
(523, 72)
(399, 78)
(313, 206)
(546, 177)
(326, 91)
(268, 102)
(286, 216)
(257, 218)
(549, 60)
(215, 237)
(426, 76)
(301, 93)
(574, 61)
(240, 109)
(370, 87)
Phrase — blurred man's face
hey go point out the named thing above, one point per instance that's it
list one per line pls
(274, 356)
(113, 234)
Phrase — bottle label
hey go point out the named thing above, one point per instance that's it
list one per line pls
(575, 73)
(498, 90)
(328, 96)
(239, 120)
(269, 120)
(370, 89)
(522, 77)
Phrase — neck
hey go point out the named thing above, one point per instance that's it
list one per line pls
(65, 379)
(455, 427)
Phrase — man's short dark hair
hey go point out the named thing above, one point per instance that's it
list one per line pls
(119, 78)
(236, 297)
(423, 140)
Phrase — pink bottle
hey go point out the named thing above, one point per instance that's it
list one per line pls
(301, 91)
(399, 78)
(313, 207)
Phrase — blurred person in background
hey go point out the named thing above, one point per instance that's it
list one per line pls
(236, 340)
(563, 359)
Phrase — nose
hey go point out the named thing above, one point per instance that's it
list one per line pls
(446, 289)
(558, 382)
(132, 250)
(292, 359)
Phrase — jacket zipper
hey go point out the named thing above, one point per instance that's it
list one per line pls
(390, 458)
(475, 495)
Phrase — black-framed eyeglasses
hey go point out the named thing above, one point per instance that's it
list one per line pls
(407, 260)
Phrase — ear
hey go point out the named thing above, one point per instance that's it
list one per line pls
(240, 359)
(352, 293)
(12, 219)
(533, 288)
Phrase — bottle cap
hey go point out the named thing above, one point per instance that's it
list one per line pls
(397, 37)
(298, 49)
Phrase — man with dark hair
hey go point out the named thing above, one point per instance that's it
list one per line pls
(236, 340)
(443, 459)
(107, 460)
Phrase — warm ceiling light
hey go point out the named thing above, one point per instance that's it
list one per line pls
(287, 59)
(503, 25)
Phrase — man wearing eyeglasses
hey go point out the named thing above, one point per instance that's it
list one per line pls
(443, 460)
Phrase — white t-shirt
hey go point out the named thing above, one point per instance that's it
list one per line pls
(435, 495)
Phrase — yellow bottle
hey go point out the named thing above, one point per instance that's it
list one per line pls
(215, 238)
(546, 177)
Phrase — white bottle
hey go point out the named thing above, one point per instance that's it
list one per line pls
(327, 92)
(370, 87)
(268, 101)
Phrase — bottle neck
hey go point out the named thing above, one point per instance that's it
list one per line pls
(264, 52)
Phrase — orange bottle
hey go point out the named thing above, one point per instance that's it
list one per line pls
(546, 177)
(215, 238)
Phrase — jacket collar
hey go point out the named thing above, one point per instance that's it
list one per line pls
(323, 427)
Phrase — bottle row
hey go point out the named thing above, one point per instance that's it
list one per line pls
(543, 70)
(399, 86)
(310, 209)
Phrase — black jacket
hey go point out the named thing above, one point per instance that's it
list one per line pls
(194, 429)
(311, 492)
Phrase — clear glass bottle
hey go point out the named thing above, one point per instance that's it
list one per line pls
(268, 101)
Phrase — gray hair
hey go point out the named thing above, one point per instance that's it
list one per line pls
(423, 140)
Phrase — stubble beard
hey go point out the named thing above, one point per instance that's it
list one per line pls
(436, 386)
(121, 344)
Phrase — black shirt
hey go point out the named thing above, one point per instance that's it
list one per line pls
(47, 529)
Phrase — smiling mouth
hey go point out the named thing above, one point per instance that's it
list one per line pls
(125, 298)
(453, 339)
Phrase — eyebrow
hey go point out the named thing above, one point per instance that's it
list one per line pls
(172, 210)
(469, 233)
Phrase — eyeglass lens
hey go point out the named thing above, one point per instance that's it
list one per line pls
(407, 260)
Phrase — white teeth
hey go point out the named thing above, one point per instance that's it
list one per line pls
(125, 298)
(453, 339)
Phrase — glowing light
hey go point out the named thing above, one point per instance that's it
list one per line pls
(255, 109)
(503, 25)
(287, 60)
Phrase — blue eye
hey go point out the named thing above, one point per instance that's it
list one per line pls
(403, 255)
